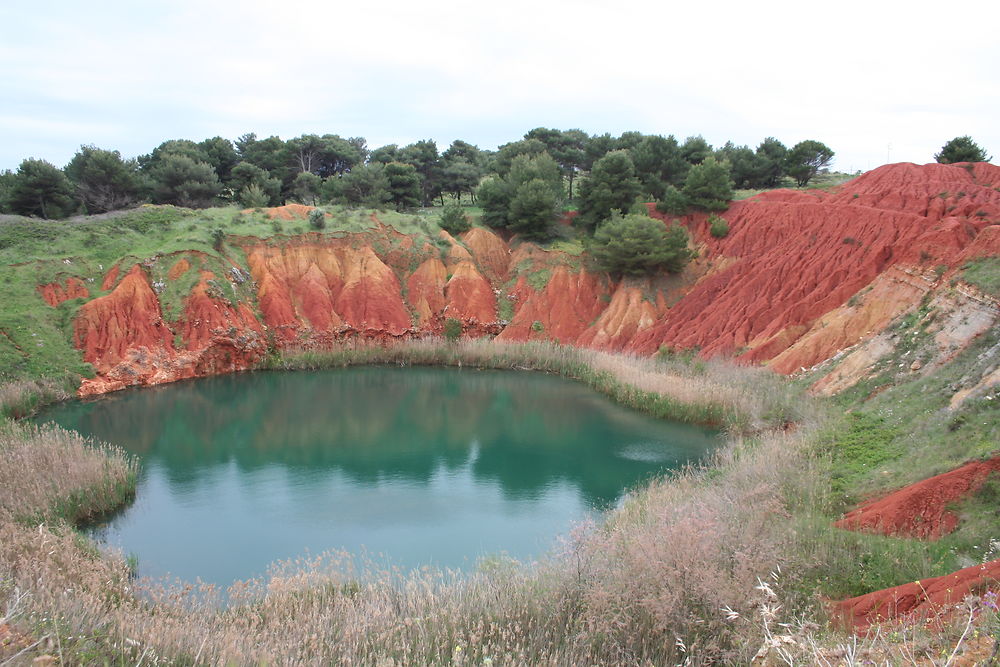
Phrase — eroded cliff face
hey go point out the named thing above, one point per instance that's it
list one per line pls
(124, 336)
(801, 278)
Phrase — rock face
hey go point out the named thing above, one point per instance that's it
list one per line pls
(794, 257)
(123, 335)
(802, 277)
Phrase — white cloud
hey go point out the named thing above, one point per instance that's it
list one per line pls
(858, 76)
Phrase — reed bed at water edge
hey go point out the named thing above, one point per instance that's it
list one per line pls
(742, 400)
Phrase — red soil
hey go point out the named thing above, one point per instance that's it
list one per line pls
(206, 318)
(917, 599)
(110, 279)
(425, 292)
(920, 510)
(371, 298)
(627, 314)
(567, 305)
(179, 269)
(109, 326)
(471, 299)
(795, 256)
(124, 336)
(490, 252)
(286, 212)
(325, 287)
(55, 293)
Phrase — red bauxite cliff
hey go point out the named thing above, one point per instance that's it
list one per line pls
(777, 289)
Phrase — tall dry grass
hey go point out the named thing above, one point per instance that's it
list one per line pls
(49, 473)
(21, 398)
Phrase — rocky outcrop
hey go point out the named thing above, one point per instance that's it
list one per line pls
(123, 335)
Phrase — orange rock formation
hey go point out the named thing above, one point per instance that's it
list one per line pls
(55, 293)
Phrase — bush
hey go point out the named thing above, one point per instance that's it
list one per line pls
(317, 219)
(638, 245)
(453, 220)
(718, 227)
(218, 237)
(961, 149)
(673, 202)
(708, 187)
(452, 329)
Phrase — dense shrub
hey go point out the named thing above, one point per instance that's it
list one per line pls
(317, 218)
(452, 329)
(637, 245)
(707, 186)
(718, 227)
(453, 219)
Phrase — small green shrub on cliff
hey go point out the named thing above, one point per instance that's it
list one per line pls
(452, 329)
(317, 219)
(718, 227)
(218, 237)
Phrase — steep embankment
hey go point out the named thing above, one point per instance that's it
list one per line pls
(802, 277)
(793, 260)
(124, 336)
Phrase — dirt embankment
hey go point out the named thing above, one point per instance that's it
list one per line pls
(917, 599)
(793, 260)
(801, 277)
(124, 336)
(921, 510)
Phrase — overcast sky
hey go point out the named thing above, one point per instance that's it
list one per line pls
(876, 81)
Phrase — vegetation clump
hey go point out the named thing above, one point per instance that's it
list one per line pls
(453, 219)
(708, 186)
(635, 245)
(961, 149)
(718, 226)
(452, 329)
(317, 219)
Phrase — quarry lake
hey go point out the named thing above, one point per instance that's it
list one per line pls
(411, 466)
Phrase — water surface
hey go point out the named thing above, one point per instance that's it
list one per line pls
(424, 465)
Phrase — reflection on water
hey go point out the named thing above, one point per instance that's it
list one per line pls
(424, 465)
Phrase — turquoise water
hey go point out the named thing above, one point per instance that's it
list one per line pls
(413, 466)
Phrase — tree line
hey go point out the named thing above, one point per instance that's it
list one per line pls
(518, 185)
